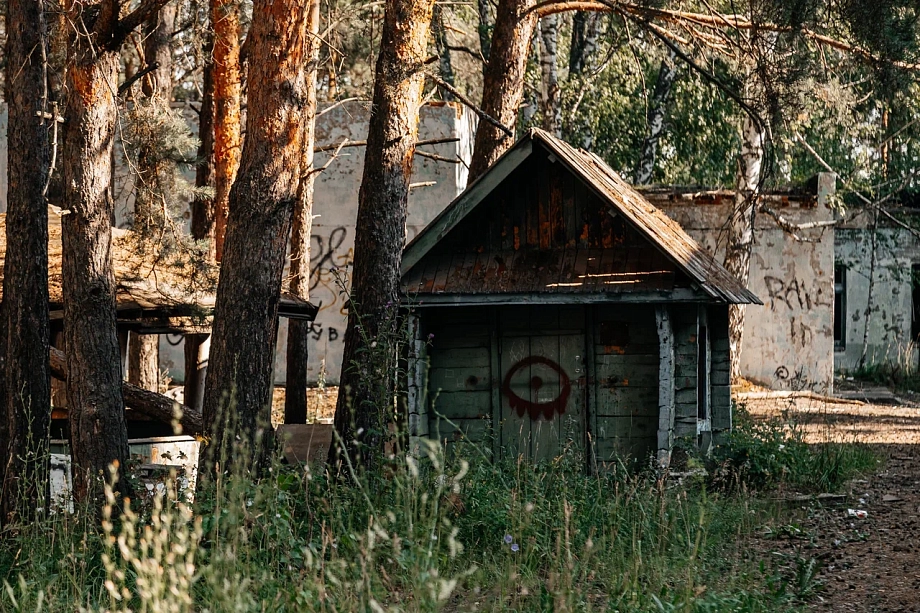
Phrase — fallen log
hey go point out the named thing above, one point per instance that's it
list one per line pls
(153, 405)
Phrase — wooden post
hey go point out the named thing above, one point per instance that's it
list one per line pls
(665, 385)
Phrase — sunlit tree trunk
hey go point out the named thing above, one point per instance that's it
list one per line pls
(262, 204)
(25, 403)
(366, 389)
(585, 31)
(225, 23)
(295, 395)
(503, 81)
(740, 234)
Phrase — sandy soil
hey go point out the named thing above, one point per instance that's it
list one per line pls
(865, 564)
(320, 404)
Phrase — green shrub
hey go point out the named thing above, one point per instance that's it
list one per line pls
(771, 453)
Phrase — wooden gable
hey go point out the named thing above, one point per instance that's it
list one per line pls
(544, 230)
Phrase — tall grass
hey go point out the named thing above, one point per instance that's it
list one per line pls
(772, 453)
(428, 534)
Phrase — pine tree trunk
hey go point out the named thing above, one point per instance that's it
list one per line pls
(503, 81)
(197, 346)
(144, 361)
(484, 29)
(657, 109)
(154, 183)
(97, 418)
(225, 23)
(295, 395)
(549, 93)
(740, 239)
(366, 385)
(262, 203)
(26, 401)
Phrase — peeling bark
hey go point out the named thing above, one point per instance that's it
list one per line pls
(25, 400)
(365, 402)
(741, 231)
(262, 203)
(298, 353)
(503, 81)
(657, 110)
(225, 71)
(549, 93)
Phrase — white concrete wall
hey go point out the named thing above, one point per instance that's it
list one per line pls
(336, 208)
(336, 204)
(890, 335)
(789, 341)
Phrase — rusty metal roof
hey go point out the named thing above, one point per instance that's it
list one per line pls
(453, 275)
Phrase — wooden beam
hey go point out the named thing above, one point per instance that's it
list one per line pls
(156, 406)
(681, 294)
(665, 385)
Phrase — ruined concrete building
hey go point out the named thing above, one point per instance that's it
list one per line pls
(814, 281)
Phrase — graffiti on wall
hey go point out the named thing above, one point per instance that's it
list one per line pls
(794, 294)
(547, 409)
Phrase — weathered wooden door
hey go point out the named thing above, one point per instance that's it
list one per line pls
(542, 393)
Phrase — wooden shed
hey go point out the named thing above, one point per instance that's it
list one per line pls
(554, 307)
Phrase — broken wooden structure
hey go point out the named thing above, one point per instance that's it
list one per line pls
(153, 295)
(553, 307)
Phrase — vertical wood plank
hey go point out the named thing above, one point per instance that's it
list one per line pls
(665, 385)
(591, 389)
(496, 382)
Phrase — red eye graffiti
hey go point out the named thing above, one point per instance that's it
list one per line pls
(535, 409)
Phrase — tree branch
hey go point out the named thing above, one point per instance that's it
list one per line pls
(482, 114)
(738, 22)
(133, 20)
(363, 143)
(137, 77)
(153, 405)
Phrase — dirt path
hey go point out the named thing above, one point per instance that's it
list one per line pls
(865, 564)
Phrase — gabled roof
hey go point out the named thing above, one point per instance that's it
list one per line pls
(661, 231)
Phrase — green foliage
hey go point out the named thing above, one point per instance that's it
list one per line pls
(467, 535)
(890, 374)
(772, 453)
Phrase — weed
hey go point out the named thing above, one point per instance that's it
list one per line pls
(773, 453)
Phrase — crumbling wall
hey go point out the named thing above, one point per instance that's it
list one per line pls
(789, 341)
(434, 185)
(891, 327)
